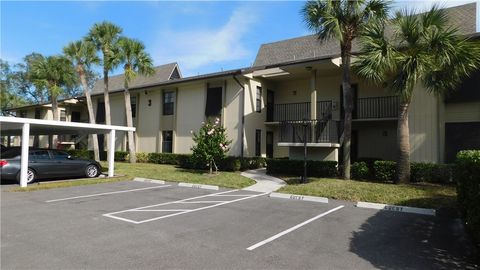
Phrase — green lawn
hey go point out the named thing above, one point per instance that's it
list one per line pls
(174, 174)
(127, 171)
(417, 195)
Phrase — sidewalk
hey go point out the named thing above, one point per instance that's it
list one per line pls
(265, 183)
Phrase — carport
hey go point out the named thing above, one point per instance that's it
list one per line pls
(25, 127)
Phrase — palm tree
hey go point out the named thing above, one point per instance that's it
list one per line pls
(135, 61)
(422, 49)
(343, 20)
(55, 73)
(105, 36)
(82, 54)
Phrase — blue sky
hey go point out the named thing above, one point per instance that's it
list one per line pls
(202, 36)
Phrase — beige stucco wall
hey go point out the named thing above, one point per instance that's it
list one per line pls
(254, 120)
(423, 125)
(314, 153)
(376, 139)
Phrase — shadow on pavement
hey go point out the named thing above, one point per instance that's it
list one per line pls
(390, 240)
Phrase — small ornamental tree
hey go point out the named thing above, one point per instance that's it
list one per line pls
(211, 144)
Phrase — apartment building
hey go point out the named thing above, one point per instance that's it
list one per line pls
(292, 93)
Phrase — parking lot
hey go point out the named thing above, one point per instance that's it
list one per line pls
(137, 225)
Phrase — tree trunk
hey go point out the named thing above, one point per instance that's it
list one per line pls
(106, 97)
(348, 108)
(91, 115)
(403, 144)
(131, 140)
(56, 117)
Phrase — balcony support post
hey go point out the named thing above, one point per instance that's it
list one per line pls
(313, 102)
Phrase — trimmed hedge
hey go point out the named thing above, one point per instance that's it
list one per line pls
(385, 171)
(467, 176)
(295, 167)
(360, 171)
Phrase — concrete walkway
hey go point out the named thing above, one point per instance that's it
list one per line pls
(265, 183)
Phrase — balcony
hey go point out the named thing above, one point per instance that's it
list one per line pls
(364, 109)
(376, 108)
(297, 111)
(316, 133)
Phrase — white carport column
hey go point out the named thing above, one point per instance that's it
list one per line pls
(24, 157)
(111, 153)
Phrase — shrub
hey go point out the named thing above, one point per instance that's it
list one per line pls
(384, 171)
(252, 163)
(211, 144)
(142, 157)
(121, 156)
(81, 153)
(229, 164)
(467, 176)
(430, 172)
(295, 167)
(360, 171)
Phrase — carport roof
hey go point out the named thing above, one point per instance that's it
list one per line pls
(12, 126)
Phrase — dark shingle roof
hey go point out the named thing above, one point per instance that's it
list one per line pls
(115, 83)
(307, 47)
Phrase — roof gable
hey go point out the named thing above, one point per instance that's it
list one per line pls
(162, 73)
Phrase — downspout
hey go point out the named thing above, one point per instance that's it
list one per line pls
(242, 111)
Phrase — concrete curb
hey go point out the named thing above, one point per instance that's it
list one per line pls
(298, 197)
(147, 180)
(190, 185)
(397, 208)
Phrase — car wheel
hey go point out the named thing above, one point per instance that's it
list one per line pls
(91, 171)
(31, 176)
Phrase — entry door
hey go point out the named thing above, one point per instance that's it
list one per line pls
(270, 105)
(269, 144)
(355, 97)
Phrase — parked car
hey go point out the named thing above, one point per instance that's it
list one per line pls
(46, 163)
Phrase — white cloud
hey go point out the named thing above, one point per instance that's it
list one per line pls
(195, 48)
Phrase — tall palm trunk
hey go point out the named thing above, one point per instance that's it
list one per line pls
(128, 110)
(348, 108)
(403, 144)
(56, 117)
(106, 99)
(91, 116)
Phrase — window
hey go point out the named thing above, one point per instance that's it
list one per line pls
(63, 116)
(38, 113)
(258, 105)
(133, 104)
(23, 114)
(258, 142)
(168, 102)
(100, 116)
(60, 155)
(43, 154)
(167, 139)
(214, 102)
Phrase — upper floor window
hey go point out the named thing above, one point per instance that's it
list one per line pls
(258, 104)
(168, 102)
(23, 114)
(133, 104)
(214, 102)
(38, 113)
(63, 116)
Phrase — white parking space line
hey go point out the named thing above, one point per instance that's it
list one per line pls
(266, 241)
(106, 193)
(179, 211)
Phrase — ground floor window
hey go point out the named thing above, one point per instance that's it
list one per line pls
(167, 140)
(258, 142)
